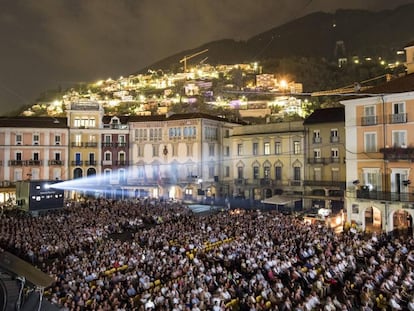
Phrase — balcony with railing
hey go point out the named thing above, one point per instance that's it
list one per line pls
(317, 160)
(121, 163)
(33, 162)
(25, 162)
(369, 120)
(107, 144)
(385, 196)
(317, 140)
(90, 163)
(121, 144)
(295, 183)
(91, 144)
(266, 182)
(325, 183)
(56, 162)
(240, 181)
(398, 153)
(151, 182)
(253, 181)
(76, 144)
(397, 118)
(76, 163)
(6, 184)
(334, 139)
(116, 126)
(336, 160)
(16, 163)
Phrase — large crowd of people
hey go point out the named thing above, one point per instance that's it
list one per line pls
(154, 255)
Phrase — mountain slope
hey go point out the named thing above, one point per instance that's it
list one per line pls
(364, 33)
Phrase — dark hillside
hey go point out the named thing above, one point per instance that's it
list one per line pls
(364, 33)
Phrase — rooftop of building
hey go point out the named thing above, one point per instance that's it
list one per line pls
(33, 122)
(180, 116)
(398, 85)
(326, 115)
(409, 44)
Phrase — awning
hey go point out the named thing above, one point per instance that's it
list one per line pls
(278, 200)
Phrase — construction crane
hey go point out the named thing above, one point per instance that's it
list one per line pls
(203, 60)
(187, 57)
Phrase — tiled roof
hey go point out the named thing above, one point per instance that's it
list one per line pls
(178, 116)
(409, 44)
(33, 122)
(146, 118)
(397, 85)
(195, 115)
(326, 115)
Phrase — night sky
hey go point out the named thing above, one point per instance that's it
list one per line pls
(51, 43)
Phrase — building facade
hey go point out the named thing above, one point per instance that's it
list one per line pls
(268, 159)
(114, 152)
(325, 173)
(85, 123)
(180, 156)
(32, 149)
(380, 156)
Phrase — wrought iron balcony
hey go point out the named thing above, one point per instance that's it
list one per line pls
(240, 181)
(91, 144)
(143, 181)
(317, 140)
(336, 193)
(56, 162)
(25, 162)
(252, 181)
(334, 139)
(33, 162)
(77, 163)
(90, 163)
(266, 182)
(106, 144)
(317, 160)
(336, 160)
(121, 163)
(16, 163)
(6, 184)
(116, 126)
(385, 196)
(398, 118)
(76, 144)
(296, 183)
(398, 153)
(369, 120)
(325, 183)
